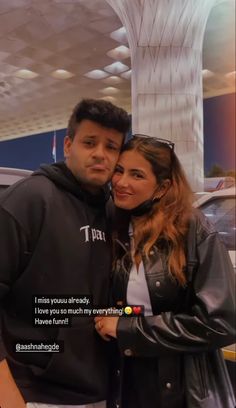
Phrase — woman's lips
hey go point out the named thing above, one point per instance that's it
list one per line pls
(122, 194)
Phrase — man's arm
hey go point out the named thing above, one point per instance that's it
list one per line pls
(10, 396)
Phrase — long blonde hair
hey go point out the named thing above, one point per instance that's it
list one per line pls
(169, 217)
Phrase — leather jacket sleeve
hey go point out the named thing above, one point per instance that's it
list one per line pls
(207, 323)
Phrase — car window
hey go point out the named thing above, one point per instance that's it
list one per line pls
(221, 213)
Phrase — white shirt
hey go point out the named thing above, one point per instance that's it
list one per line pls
(137, 289)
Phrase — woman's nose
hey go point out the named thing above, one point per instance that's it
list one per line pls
(122, 181)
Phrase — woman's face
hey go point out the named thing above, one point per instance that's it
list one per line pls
(133, 181)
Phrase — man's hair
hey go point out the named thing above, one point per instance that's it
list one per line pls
(102, 112)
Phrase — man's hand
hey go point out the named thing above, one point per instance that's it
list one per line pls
(10, 396)
(106, 326)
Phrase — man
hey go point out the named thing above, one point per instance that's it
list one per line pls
(54, 241)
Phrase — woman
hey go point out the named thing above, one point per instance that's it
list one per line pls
(169, 259)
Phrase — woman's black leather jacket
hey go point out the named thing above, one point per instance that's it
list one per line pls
(176, 352)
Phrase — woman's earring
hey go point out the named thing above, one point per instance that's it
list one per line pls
(156, 199)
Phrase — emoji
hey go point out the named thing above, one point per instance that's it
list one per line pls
(137, 310)
(128, 310)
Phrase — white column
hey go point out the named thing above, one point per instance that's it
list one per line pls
(165, 39)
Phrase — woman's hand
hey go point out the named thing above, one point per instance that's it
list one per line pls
(106, 326)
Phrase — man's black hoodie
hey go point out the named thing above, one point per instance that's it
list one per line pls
(53, 241)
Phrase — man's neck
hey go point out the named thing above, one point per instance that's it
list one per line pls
(91, 189)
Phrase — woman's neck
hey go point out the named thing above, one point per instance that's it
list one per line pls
(135, 221)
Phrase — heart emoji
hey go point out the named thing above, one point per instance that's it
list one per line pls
(137, 310)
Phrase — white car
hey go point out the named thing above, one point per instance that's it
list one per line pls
(9, 176)
(219, 206)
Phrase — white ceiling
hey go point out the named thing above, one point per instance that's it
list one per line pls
(80, 36)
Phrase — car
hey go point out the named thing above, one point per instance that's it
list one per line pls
(218, 183)
(219, 208)
(9, 176)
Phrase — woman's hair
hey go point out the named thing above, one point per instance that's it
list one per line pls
(169, 218)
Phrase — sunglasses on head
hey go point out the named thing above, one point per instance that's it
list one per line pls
(155, 140)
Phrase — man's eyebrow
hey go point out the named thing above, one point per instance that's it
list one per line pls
(113, 141)
(90, 136)
(95, 136)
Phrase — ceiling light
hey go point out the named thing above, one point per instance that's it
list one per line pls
(25, 74)
(109, 90)
(119, 35)
(96, 74)
(231, 75)
(127, 74)
(207, 74)
(112, 80)
(119, 53)
(116, 68)
(61, 74)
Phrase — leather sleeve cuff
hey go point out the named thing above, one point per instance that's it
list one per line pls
(126, 330)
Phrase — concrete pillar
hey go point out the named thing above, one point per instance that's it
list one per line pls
(165, 39)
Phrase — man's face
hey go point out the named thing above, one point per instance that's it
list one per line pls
(92, 154)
